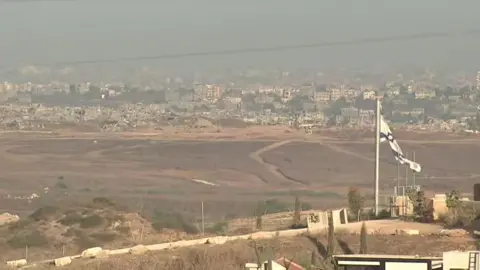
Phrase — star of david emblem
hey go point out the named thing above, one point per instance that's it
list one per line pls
(388, 136)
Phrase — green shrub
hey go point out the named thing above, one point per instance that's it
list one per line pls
(61, 185)
(104, 236)
(173, 221)
(84, 242)
(91, 221)
(44, 213)
(123, 230)
(218, 228)
(21, 224)
(30, 239)
(71, 232)
(271, 206)
(102, 202)
(71, 219)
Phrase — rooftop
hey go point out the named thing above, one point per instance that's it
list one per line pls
(385, 257)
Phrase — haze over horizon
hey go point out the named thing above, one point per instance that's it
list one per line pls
(39, 31)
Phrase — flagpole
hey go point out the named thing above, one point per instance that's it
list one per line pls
(377, 154)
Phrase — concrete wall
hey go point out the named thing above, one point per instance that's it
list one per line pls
(319, 220)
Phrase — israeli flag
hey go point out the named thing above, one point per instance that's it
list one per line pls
(386, 135)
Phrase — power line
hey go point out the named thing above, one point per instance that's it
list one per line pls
(418, 36)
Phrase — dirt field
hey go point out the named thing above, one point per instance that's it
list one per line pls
(230, 174)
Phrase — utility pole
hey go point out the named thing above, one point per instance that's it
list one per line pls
(406, 172)
(413, 173)
(377, 155)
(405, 198)
(398, 179)
(203, 221)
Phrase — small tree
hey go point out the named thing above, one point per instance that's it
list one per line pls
(356, 201)
(331, 236)
(297, 213)
(419, 202)
(363, 239)
(453, 202)
(259, 214)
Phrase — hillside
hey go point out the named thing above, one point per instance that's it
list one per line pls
(53, 231)
(233, 255)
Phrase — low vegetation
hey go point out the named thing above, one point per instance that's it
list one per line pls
(96, 223)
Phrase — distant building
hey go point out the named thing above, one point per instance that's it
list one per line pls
(208, 92)
(425, 94)
(286, 94)
(350, 112)
(321, 96)
(263, 98)
(232, 103)
(336, 94)
(369, 94)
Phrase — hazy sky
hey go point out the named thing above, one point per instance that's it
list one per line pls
(48, 31)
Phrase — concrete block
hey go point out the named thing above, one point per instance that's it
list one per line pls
(407, 232)
(262, 235)
(102, 254)
(17, 263)
(455, 232)
(161, 246)
(119, 251)
(241, 237)
(62, 261)
(91, 252)
(216, 240)
(138, 249)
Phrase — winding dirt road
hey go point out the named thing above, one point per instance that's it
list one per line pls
(272, 168)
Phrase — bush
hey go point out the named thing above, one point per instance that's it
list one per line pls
(61, 185)
(104, 236)
(174, 221)
(70, 232)
(123, 230)
(271, 206)
(382, 214)
(356, 202)
(84, 242)
(102, 202)
(219, 228)
(21, 224)
(91, 221)
(306, 206)
(31, 239)
(461, 217)
(71, 219)
(44, 213)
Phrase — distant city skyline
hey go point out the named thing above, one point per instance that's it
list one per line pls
(54, 31)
